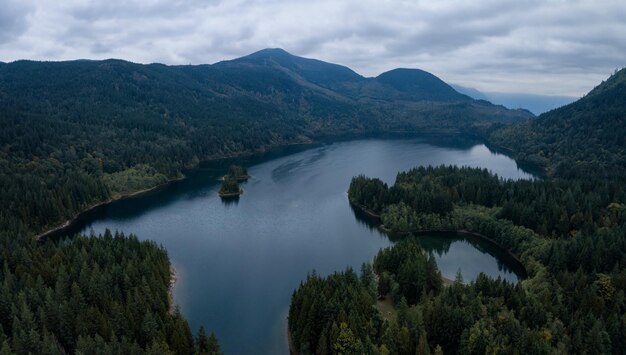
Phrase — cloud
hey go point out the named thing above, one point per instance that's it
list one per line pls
(544, 47)
(13, 19)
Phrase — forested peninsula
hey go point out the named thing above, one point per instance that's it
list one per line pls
(568, 229)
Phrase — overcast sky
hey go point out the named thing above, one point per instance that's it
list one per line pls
(543, 47)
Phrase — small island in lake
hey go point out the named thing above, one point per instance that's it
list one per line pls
(230, 187)
(237, 172)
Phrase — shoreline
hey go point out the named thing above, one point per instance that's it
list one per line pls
(261, 150)
(231, 194)
(464, 232)
(39, 237)
(381, 227)
(366, 211)
(120, 197)
(290, 346)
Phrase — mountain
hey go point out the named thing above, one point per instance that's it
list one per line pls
(315, 71)
(420, 85)
(536, 104)
(95, 130)
(581, 140)
(407, 85)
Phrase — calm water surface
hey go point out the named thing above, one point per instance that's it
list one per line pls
(239, 262)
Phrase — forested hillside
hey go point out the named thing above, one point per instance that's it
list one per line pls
(81, 132)
(583, 139)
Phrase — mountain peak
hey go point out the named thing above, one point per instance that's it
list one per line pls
(313, 70)
(271, 52)
(266, 56)
(420, 85)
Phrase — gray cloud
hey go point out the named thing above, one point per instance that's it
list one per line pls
(13, 19)
(544, 47)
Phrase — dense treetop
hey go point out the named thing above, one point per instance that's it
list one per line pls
(567, 233)
(106, 294)
(229, 186)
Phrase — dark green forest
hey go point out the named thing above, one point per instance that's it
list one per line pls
(92, 295)
(79, 133)
(567, 229)
(338, 314)
(568, 234)
(584, 139)
(229, 186)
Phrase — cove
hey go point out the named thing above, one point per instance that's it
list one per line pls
(238, 261)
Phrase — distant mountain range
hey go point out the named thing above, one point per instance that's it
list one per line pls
(397, 84)
(269, 83)
(536, 104)
(95, 130)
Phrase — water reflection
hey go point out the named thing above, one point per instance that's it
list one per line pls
(229, 200)
(457, 251)
(364, 219)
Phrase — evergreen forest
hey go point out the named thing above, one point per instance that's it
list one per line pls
(567, 228)
(77, 134)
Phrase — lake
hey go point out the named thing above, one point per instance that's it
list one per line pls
(238, 262)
